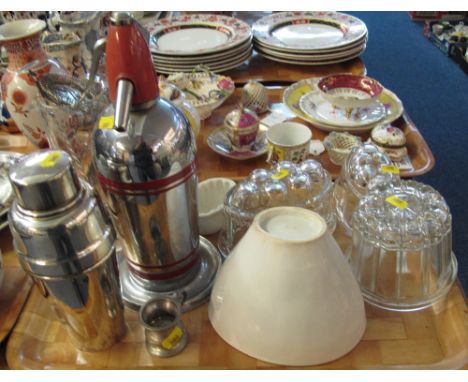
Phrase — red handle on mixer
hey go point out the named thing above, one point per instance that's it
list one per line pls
(128, 57)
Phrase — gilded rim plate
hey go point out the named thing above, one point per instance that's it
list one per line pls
(219, 142)
(320, 110)
(310, 63)
(308, 31)
(313, 57)
(221, 63)
(293, 94)
(319, 53)
(189, 35)
(215, 69)
(204, 58)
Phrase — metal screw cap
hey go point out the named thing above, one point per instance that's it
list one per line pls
(44, 180)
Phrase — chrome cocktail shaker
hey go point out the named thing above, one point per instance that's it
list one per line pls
(66, 242)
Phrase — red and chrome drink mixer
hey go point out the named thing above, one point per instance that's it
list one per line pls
(144, 154)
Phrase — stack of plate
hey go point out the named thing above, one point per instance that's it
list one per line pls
(306, 101)
(178, 44)
(310, 38)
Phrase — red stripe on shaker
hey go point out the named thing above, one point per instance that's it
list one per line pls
(167, 275)
(193, 253)
(154, 186)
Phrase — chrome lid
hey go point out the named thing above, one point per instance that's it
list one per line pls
(44, 180)
(158, 143)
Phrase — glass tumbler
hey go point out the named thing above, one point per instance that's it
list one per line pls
(402, 246)
(71, 110)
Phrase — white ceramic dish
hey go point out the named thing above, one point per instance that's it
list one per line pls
(286, 293)
(212, 65)
(321, 110)
(187, 35)
(203, 58)
(310, 63)
(312, 57)
(211, 194)
(219, 142)
(341, 49)
(310, 31)
(206, 91)
(293, 94)
(220, 69)
(349, 90)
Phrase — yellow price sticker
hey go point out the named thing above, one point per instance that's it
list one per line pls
(280, 174)
(173, 338)
(397, 202)
(106, 122)
(50, 159)
(390, 169)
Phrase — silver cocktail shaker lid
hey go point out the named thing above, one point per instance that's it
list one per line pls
(44, 180)
(58, 224)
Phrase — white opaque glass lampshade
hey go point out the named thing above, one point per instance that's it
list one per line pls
(286, 293)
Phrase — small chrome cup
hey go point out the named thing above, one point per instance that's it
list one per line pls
(165, 333)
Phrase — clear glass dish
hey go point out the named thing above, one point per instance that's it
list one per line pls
(361, 172)
(401, 250)
(307, 185)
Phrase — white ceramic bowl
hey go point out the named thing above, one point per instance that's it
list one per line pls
(286, 293)
(211, 194)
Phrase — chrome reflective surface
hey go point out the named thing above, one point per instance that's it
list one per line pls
(136, 291)
(165, 333)
(151, 187)
(65, 241)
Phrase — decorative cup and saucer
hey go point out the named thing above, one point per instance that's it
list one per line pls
(241, 137)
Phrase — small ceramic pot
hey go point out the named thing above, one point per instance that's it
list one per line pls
(288, 141)
(211, 195)
(339, 145)
(390, 140)
(286, 293)
(255, 97)
(241, 126)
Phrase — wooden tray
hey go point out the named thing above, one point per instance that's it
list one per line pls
(210, 163)
(15, 287)
(433, 338)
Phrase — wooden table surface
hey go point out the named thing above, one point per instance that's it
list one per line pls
(433, 338)
(15, 287)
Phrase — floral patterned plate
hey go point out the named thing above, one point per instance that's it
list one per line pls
(321, 110)
(308, 31)
(205, 90)
(293, 94)
(194, 34)
(211, 65)
(219, 142)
